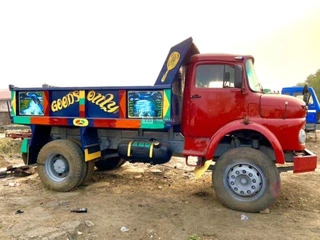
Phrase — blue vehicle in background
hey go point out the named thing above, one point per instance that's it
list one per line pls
(308, 95)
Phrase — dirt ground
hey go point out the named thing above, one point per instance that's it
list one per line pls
(142, 202)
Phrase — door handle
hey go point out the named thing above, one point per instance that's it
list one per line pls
(195, 96)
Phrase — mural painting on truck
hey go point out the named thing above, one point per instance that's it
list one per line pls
(209, 106)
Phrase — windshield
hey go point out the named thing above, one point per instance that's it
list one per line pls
(254, 83)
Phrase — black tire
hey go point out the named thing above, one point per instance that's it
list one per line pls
(89, 172)
(24, 157)
(106, 163)
(61, 165)
(89, 164)
(245, 179)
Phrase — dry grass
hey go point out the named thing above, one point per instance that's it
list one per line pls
(10, 146)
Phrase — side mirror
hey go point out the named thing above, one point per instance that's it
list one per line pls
(306, 94)
(238, 78)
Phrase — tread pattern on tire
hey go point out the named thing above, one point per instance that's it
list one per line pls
(261, 161)
(75, 157)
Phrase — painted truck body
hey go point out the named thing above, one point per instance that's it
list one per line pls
(205, 105)
(313, 114)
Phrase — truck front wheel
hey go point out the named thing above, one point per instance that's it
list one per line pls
(61, 165)
(245, 179)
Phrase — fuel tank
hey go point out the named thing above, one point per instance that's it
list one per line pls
(152, 152)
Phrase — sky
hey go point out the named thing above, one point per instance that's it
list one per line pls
(125, 42)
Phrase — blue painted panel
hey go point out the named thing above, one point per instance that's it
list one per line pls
(64, 103)
(178, 55)
(102, 103)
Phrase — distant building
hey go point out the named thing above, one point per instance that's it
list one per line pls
(5, 99)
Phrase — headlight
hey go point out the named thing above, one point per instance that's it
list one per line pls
(302, 136)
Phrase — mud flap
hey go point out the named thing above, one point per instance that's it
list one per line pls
(200, 170)
(90, 143)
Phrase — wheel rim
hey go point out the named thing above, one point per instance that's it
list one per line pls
(57, 167)
(245, 180)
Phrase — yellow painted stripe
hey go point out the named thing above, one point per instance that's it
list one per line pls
(82, 94)
(151, 150)
(198, 171)
(166, 104)
(13, 103)
(90, 156)
(129, 149)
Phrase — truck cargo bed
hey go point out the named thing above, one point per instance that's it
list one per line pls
(152, 107)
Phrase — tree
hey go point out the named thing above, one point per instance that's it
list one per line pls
(313, 81)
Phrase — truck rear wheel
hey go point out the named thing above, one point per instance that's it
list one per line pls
(89, 172)
(109, 163)
(89, 164)
(61, 165)
(245, 179)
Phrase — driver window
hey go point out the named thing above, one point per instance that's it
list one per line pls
(215, 76)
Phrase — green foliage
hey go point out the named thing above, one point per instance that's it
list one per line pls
(313, 80)
(194, 237)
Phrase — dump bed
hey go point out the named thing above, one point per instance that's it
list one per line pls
(151, 107)
(103, 107)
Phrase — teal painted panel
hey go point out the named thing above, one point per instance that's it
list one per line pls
(22, 120)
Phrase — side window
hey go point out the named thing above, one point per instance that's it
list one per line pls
(215, 76)
(229, 76)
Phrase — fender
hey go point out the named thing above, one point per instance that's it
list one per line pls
(241, 125)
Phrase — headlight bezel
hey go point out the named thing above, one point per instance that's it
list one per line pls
(302, 136)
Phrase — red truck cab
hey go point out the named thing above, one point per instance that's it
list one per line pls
(224, 97)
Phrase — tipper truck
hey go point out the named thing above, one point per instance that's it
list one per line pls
(204, 107)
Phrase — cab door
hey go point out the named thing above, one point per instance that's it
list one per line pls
(212, 98)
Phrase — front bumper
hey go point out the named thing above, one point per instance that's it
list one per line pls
(305, 161)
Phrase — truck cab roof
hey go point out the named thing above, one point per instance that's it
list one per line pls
(219, 57)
